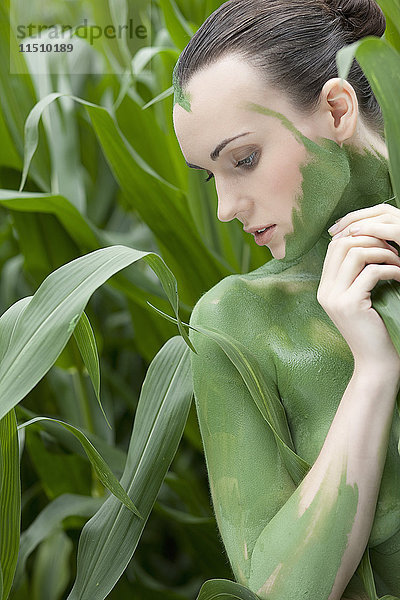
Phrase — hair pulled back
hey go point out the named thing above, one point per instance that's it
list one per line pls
(293, 44)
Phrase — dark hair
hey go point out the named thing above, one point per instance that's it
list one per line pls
(293, 44)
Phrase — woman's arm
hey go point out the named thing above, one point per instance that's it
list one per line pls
(358, 437)
(313, 545)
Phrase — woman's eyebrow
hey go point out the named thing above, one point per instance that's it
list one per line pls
(215, 153)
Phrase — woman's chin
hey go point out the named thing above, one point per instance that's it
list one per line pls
(278, 253)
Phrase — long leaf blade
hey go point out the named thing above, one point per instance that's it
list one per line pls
(44, 326)
(48, 521)
(10, 500)
(103, 471)
(223, 589)
(109, 539)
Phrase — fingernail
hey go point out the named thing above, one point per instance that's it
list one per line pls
(333, 228)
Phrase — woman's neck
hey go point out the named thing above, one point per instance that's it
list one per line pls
(337, 180)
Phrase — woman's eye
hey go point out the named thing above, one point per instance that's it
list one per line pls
(248, 162)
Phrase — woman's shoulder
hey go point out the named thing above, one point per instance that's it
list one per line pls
(236, 300)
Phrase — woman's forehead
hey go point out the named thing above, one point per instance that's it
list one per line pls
(222, 81)
(221, 93)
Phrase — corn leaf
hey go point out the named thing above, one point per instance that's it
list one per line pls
(10, 500)
(80, 230)
(84, 336)
(178, 28)
(31, 137)
(365, 572)
(381, 65)
(34, 331)
(103, 471)
(51, 570)
(48, 521)
(159, 203)
(391, 8)
(223, 589)
(109, 539)
(385, 299)
(17, 97)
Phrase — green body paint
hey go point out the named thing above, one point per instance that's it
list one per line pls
(274, 312)
(180, 97)
(297, 560)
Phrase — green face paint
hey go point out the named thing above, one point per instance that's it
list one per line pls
(274, 312)
(335, 180)
(180, 97)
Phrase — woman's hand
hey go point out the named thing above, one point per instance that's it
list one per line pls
(356, 259)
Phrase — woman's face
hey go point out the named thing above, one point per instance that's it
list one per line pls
(257, 175)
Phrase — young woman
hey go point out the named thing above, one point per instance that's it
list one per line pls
(292, 148)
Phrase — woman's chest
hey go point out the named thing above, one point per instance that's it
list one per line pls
(313, 363)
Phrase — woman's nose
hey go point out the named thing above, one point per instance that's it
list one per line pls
(230, 203)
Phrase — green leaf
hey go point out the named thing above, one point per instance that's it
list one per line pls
(49, 521)
(385, 300)
(17, 96)
(32, 133)
(10, 500)
(58, 472)
(381, 64)
(80, 230)
(178, 28)
(119, 13)
(34, 331)
(144, 56)
(8, 154)
(364, 570)
(391, 8)
(51, 572)
(103, 471)
(165, 94)
(84, 336)
(223, 589)
(114, 456)
(345, 57)
(109, 539)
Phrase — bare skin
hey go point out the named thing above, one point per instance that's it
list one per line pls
(310, 317)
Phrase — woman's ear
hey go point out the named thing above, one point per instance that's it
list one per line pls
(339, 99)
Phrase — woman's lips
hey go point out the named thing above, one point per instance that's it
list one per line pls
(265, 237)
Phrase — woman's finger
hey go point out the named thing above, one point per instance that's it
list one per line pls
(356, 260)
(370, 276)
(365, 213)
(384, 231)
